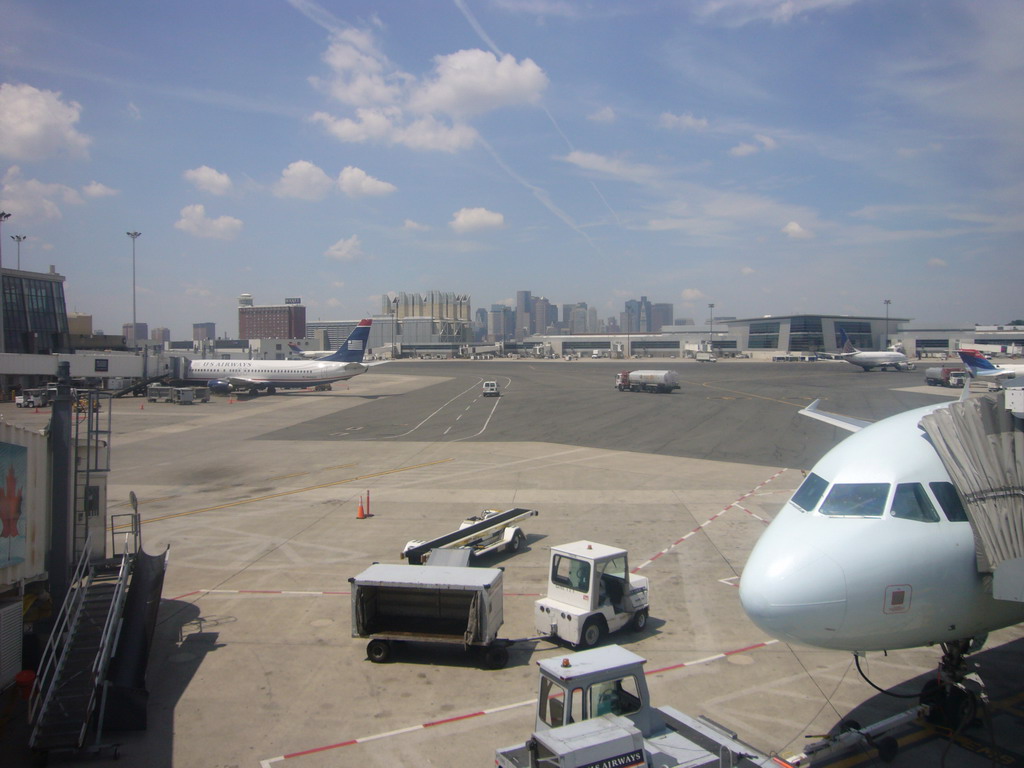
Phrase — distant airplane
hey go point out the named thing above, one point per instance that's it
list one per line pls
(874, 551)
(253, 376)
(308, 354)
(981, 368)
(870, 360)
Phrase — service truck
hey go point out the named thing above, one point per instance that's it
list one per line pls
(593, 709)
(590, 593)
(705, 357)
(646, 381)
(947, 376)
(436, 604)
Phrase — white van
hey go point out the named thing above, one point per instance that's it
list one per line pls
(491, 389)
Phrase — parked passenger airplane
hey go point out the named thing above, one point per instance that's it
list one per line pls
(224, 376)
(308, 354)
(982, 369)
(869, 360)
(875, 552)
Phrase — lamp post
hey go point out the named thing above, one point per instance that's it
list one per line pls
(887, 302)
(135, 329)
(711, 329)
(4, 216)
(394, 325)
(19, 239)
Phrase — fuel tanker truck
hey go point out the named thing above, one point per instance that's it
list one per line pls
(646, 381)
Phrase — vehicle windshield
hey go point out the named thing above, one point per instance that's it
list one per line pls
(911, 502)
(810, 492)
(856, 500)
(950, 501)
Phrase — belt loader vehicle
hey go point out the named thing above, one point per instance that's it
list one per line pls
(590, 593)
(439, 604)
(593, 709)
(491, 531)
(646, 381)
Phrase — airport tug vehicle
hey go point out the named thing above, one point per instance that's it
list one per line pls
(593, 709)
(590, 594)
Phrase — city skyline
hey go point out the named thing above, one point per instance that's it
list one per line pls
(761, 155)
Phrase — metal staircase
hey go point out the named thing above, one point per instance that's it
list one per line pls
(71, 682)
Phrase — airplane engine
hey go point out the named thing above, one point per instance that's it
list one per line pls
(220, 387)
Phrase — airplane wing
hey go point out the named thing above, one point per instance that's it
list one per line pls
(848, 423)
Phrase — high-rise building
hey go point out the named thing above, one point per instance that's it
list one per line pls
(500, 321)
(541, 314)
(140, 332)
(274, 321)
(160, 334)
(524, 315)
(439, 305)
(204, 331)
(661, 316)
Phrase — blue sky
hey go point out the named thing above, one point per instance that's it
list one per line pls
(769, 156)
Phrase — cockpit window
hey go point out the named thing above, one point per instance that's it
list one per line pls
(856, 499)
(950, 502)
(911, 502)
(810, 492)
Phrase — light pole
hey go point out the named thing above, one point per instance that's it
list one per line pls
(887, 302)
(711, 329)
(4, 216)
(19, 239)
(135, 329)
(394, 324)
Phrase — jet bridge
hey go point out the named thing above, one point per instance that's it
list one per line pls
(981, 444)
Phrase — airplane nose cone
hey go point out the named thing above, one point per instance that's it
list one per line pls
(794, 595)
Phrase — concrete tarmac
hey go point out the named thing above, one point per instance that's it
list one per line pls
(254, 663)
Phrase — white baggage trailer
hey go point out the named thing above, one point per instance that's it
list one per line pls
(442, 604)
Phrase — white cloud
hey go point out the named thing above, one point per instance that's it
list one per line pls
(472, 219)
(303, 180)
(735, 13)
(635, 172)
(134, 112)
(472, 82)
(795, 231)
(394, 107)
(362, 74)
(748, 271)
(34, 199)
(36, 124)
(766, 141)
(414, 226)
(685, 122)
(195, 221)
(742, 150)
(603, 115)
(692, 294)
(209, 180)
(95, 189)
(355, 182)
(345, 249)
(936, 263)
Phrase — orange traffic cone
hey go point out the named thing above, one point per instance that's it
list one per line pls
(360, 514)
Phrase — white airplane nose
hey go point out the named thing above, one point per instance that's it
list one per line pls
(799, 596)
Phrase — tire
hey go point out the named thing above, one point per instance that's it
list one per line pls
(378, 651)
(495, 657)
(517, 541)
(639, 621)
(592, 633)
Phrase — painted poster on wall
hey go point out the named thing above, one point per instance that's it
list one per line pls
(13, 474)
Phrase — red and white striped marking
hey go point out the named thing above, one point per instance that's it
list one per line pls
(296, 593)
(483, 712)
(711, 519)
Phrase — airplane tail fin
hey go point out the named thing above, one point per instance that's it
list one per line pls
(848, 348)
(295, 348)
(354, 347)
(976, 363)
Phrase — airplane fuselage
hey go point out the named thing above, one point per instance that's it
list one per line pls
(281, 374)
(873, 552)
(871, 360)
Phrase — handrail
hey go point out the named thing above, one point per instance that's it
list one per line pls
(50, 662)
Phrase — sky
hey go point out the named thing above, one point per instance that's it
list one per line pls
(767, 156)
